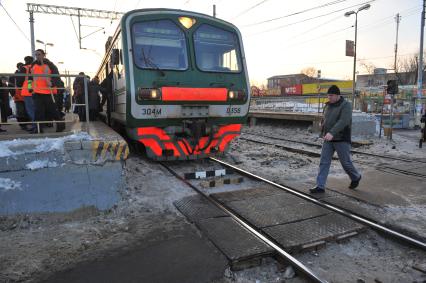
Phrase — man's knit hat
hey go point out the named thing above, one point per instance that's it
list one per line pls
(333, 90)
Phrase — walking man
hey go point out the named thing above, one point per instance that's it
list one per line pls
(336, 131)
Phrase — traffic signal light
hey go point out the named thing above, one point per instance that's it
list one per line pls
(392, 87)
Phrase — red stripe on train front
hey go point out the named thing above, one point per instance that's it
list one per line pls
(193, 94)
(157, 139)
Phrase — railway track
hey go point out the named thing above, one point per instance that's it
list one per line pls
(319, 146)
(271, 241)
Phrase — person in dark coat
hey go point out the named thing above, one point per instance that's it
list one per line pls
(336, 131)
(17, 82)
(106, 90)
(94, 100)
(5, 109)
(4, 101)
(79, 97)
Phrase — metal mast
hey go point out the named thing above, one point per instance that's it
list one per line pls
(420, 68)
(68, 11)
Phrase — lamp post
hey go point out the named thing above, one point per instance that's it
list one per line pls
(347, 14)
(45, 44)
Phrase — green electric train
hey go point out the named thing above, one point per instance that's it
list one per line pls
(179, 82)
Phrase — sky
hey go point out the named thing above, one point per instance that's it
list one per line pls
(279, 36)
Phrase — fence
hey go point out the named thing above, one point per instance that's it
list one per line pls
(68, 76)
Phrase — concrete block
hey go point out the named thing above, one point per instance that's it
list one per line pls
(80, 156)
(87, 145)
(20, 162)
(72, 145)
(69, 187)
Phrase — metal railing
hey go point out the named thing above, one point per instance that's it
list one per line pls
(37, 123)
(306, 104)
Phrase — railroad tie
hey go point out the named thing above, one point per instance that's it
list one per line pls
(221, 182)
(206, 174)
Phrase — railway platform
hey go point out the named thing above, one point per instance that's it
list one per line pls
(314, 118)
(67, 161)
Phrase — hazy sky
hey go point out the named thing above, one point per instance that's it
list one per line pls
(313, 38)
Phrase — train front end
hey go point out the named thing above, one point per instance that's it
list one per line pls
(188, 91)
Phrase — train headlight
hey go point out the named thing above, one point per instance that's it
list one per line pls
(149, 94)
(236, 95)
(187, 22)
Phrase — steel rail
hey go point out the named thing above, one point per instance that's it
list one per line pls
(350, 215)
(296, 263)
(352, 151)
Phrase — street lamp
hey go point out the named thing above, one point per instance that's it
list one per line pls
(45, 44)
(347, 14)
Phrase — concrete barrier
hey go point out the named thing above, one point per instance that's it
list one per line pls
(61, 174)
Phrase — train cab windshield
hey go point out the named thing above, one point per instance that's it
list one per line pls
(216, 50)
(159, 45)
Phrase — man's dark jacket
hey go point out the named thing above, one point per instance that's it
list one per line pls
(338, 120)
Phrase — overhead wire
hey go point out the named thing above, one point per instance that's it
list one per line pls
(7, 13)
(254, 6)
(307, 19)
(301, 12)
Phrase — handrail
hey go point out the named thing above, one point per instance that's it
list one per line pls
(86, 96)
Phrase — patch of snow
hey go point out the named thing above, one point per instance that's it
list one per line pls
(7, 184)
(23, 146)
(38, 164)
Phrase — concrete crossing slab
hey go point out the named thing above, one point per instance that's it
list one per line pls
(383, 188)
(196, 208)
(302, 234)
(234, 240)
(276, 209)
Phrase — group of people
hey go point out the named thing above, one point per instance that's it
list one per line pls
(95, 103)
(36, 97)
(44, 98)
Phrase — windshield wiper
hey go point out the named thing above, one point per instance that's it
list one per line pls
(148, 62)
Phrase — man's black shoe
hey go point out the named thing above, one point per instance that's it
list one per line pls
(316, 190)
(354, 184)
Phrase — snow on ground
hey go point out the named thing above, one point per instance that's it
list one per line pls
(23, 146)
(38, 164)
(7, 184)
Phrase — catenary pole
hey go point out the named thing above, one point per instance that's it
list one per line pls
(32, 34)
(420, 68)
(353, 76)
(397, 19)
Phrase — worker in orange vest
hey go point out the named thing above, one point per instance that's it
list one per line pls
(17, 82)
(25, 91)
(42, 89)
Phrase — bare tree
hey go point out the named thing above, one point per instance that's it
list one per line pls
(368, 66)
(407, 69)
(309, 71)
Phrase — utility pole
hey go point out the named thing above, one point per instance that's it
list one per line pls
(397, 19)
(420, 69)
